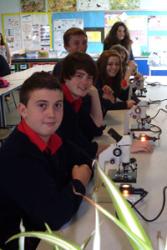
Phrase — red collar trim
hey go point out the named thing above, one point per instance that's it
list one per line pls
(76, 103)
(124, 84)
(53, 144)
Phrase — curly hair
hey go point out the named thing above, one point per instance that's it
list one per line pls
(122, 50)
(112, 38)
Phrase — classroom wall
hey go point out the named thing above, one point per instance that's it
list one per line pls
(92, 22)
(7, 6)
(153, 4)
(11, 6)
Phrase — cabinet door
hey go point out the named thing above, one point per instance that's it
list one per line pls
(143, 66)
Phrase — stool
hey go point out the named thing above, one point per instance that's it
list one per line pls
(8, 97)
(4, 133)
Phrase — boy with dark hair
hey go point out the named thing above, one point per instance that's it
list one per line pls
(39, 172)
(75, 40)
(83, 119)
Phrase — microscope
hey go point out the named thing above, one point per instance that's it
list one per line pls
(137, 85)
(139, 116)
(138, 123)
(116, 161)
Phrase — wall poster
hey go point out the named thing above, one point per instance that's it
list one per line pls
(35, 31)
(12, 32)
(93, 5)
(59, 27)
(63, 5)
(32, 5)
(27, 31)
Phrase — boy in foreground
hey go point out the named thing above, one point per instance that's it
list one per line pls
(38, 172)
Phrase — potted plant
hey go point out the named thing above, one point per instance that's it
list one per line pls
(128, 222)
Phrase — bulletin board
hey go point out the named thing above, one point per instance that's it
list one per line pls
(27, 31)
(33, 31)
(157, 33)
(148, 29)
(78, 5)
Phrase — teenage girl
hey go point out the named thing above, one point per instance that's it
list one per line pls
(110, 75)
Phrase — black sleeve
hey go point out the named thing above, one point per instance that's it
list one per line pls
(123, 94)
(35, 192)
(4, 67)
(108, 105)
(86, 123)
(78, 155)
(77, 138)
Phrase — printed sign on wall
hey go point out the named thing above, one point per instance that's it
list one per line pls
(12, 32)
(60, 26)
(27, 31)
(93, 5)
(33, 5)
(63, 5)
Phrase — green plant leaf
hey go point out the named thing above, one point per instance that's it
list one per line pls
(96, 242)
(52, 238)
(131, 235)
(50, 231)
(125, 213)
(86, 242)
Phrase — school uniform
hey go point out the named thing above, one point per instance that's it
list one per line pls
(77, 125)
(117, 92)
(36, 185)
(121, 96)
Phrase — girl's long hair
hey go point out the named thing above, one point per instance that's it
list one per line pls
(112, 38)
(102, 62)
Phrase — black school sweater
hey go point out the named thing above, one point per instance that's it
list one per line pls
(36, 187)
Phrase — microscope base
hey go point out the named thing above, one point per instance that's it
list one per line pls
(148, 134)
(133, 129)
(122, 177)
